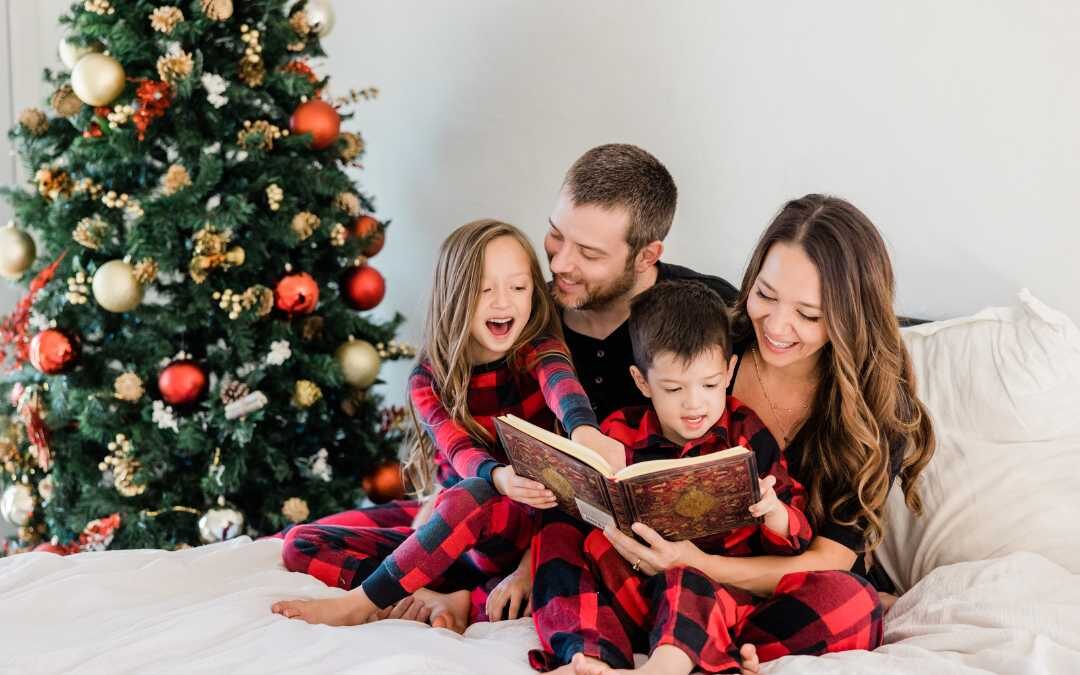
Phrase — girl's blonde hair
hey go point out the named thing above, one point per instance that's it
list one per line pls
(455, 290)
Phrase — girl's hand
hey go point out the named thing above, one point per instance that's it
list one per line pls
(609, 448)
(523, 490)
(512, 594)
(770, 506)
(657, 555)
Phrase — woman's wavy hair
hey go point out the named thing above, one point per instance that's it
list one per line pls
(866, 402)
(459, 276)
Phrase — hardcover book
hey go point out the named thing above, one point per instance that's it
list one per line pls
(683, 498)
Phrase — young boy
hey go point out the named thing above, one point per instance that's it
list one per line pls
(604, 596)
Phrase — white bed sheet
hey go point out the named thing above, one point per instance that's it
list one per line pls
(207, 610)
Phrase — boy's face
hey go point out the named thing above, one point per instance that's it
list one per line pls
(688, 397)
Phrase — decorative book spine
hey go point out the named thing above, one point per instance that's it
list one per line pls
(620, 505)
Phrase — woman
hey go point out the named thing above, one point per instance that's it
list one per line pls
(823, 365)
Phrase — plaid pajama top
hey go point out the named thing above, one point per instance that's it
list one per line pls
(638, 428)
(538, 386)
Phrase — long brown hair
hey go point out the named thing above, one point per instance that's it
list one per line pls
(866, 401)
(455, 290)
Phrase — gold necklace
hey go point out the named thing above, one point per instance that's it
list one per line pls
(786, 431)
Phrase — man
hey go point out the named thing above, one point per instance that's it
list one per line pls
(604, 244)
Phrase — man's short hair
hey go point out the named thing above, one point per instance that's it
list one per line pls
(686, 318)
(625, 176)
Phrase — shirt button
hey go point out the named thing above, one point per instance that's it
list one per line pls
(598, 380)
(599, 353)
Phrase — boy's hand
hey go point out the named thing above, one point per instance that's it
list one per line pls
(523, 490)
(609, 448)
(770, 506)
(514, 594)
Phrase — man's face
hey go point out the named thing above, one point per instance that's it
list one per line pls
(589, 258)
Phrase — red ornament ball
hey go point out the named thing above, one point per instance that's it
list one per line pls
(182, 383)
(53, 351)
(296, 294)
(385, 483)
(318, 118)
(363, 287)
(371, 230)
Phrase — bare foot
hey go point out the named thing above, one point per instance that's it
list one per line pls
(350, 609)
(750, 664)
(665, 660)
(587, 665)
(446, 610)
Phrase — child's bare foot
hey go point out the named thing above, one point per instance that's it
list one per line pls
(350, 609)
(750, 664)
(665, 660)
(587, 665)
(446, 610)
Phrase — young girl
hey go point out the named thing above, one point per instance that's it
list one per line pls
(492, 346)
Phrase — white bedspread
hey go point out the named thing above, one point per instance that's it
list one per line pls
(207, 609)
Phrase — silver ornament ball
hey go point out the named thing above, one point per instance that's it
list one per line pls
(220, 525)
(17, 504)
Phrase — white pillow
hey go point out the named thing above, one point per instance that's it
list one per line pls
(1003, 389)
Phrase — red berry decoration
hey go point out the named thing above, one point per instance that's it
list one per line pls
(182, 383)
(370, 230)
(318, 118)
(363, 287)
(53, 351)
(296, 294)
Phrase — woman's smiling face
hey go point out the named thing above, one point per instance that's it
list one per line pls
(784, 306)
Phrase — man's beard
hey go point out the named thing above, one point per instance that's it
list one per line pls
(602, 297)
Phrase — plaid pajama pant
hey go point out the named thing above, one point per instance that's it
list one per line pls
(474, 537)
(586, 598)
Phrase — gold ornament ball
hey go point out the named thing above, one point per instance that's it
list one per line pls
(359, 363)
(17, 504)
(116, 288)
(17, 252)
(71, 53)
(320, 17)
(97, 79)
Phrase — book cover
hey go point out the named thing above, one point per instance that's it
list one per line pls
(680, 498)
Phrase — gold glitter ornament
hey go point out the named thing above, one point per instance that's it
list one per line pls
(234, 391)
(259, 134)
(218, 10)
(34, 121)
(295, 510)
(274, 195)
(128, 387)
(53, 183)
(304, 224)
(175, 179)
(146, 270)
(65, 102)
(351, 147)
(348, 202)
(306, 394)
(175, 67)
(123, 466)
(165, 19)
(338, 235)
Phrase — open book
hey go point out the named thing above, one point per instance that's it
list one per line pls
(679, 498)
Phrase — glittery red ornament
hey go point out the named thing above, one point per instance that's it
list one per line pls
(53, 351)
(296, 294)
(318, 118)
(370, 230)
(50, 548)
(363, 287)
(385, 483)
(182, 383)
(154, 99)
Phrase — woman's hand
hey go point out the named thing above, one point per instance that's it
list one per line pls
(770, 506)
(657, 554)
(609, 448)
(523, 490)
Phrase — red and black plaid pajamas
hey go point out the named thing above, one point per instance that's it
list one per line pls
(475, 535)
(587, 598)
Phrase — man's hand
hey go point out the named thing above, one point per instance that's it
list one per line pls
(523, 490)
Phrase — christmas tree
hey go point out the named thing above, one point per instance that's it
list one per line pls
(193, 358)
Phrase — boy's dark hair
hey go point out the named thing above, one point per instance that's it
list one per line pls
(686, 318)
(625, 176)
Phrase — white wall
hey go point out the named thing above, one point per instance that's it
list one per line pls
(954, 125)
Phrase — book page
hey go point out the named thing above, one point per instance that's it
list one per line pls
(561, 443)
(642, 468)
